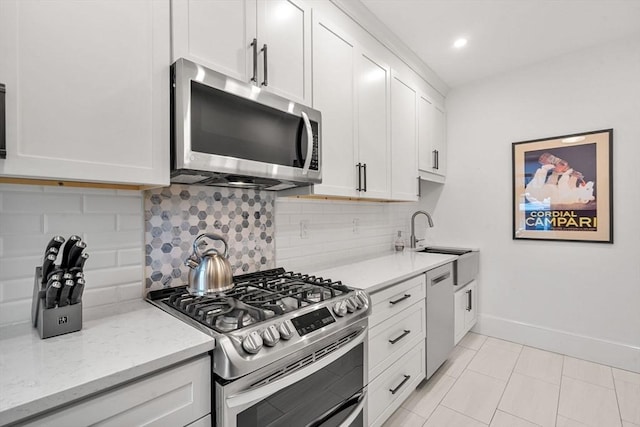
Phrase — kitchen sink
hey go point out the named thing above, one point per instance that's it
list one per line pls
(465, 267)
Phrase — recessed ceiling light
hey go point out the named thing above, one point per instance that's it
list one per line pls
(461, 42)
(573, 139)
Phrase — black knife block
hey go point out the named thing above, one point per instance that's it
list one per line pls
(51, 322)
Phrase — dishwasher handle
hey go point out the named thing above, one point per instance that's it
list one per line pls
(440, 278)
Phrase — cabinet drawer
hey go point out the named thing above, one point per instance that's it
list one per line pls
(392, 338)
(402, 377)
(176, 396)
(396, 299)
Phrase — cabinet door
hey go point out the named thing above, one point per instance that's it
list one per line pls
(87, 90)
(471, 312)
(373, 126)
(431, 141)
(460, 310)
(216, 34)
(404, 164)
(284, 26)
(333, 95)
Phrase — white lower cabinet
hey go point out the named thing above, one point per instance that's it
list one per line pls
(391, 388)
(466, 314)
(178, 396)
(396, 361)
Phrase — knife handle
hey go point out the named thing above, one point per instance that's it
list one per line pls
(81, 260)
(65, 292)
(76, 293)
(52, 294)
(74, 253)
(67, 248)
(47, 266)
(55, 242)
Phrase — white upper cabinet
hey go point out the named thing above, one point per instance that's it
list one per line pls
(351, 90)
(266, 42)
(431, 140)
(334, 95)
(373, 86)
(404, 128)
(87, 90)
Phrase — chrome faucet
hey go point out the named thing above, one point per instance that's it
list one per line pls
(413, 226)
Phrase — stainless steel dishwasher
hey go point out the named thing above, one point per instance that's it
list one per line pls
(440, 316)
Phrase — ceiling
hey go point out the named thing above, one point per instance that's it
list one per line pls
(502, 34)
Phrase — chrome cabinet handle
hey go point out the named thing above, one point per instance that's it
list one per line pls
(434, 161)
(469, 307)
(400, 299)
(254, 45)
(404, 334)
(307, 125)
(359, 166)
(3, 129)
(437, 159)
(440, 278)
(264, 64)
(395, 390)
(365, 177)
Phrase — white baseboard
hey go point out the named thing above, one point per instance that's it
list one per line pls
(623, 356)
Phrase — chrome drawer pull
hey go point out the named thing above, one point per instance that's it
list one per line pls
(395, 390)
(404, 334)
(400, 299)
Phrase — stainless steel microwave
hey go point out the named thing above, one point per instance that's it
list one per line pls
(230, 133)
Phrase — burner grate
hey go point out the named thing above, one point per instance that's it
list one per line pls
(254, 298)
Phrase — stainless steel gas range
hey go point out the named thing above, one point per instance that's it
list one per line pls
(291, 349)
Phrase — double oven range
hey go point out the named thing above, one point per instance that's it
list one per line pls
(291, 349)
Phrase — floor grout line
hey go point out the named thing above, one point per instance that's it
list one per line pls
(505, 387)
(559, 392)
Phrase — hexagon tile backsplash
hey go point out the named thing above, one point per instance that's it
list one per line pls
(176, 215)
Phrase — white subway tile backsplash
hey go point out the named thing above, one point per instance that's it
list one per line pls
(17, 267)
(332, 236)
(71, 223)
(15, 312)
(110, 222)
(130, 256)
(118, 239)
(26, 203)
(113, 277)
(16, 289)
(11, 224)
(130, 222)
(115, 204)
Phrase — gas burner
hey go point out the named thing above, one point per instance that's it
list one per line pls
(233, 320)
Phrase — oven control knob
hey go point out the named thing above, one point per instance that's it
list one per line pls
(362, 298)
(252, 343)
(351, 305)
(340, 308)
(359, 303)
(286, 330)
(270, 336)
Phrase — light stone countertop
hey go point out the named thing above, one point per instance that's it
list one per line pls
(38, 375)
(376, 274)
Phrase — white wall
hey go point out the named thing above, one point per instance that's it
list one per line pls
(581, 299)
(109, 221)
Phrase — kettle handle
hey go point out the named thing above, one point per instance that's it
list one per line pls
(212, 236)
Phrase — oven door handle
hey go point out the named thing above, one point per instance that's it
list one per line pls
(357, 398)
(252, 396)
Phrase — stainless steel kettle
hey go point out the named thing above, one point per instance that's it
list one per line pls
(210, 271)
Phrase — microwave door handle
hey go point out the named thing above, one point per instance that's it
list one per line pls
(307, 159)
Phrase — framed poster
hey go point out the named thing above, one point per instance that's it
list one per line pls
(563, 188)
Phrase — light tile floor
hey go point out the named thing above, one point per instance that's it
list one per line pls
(496, 383)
